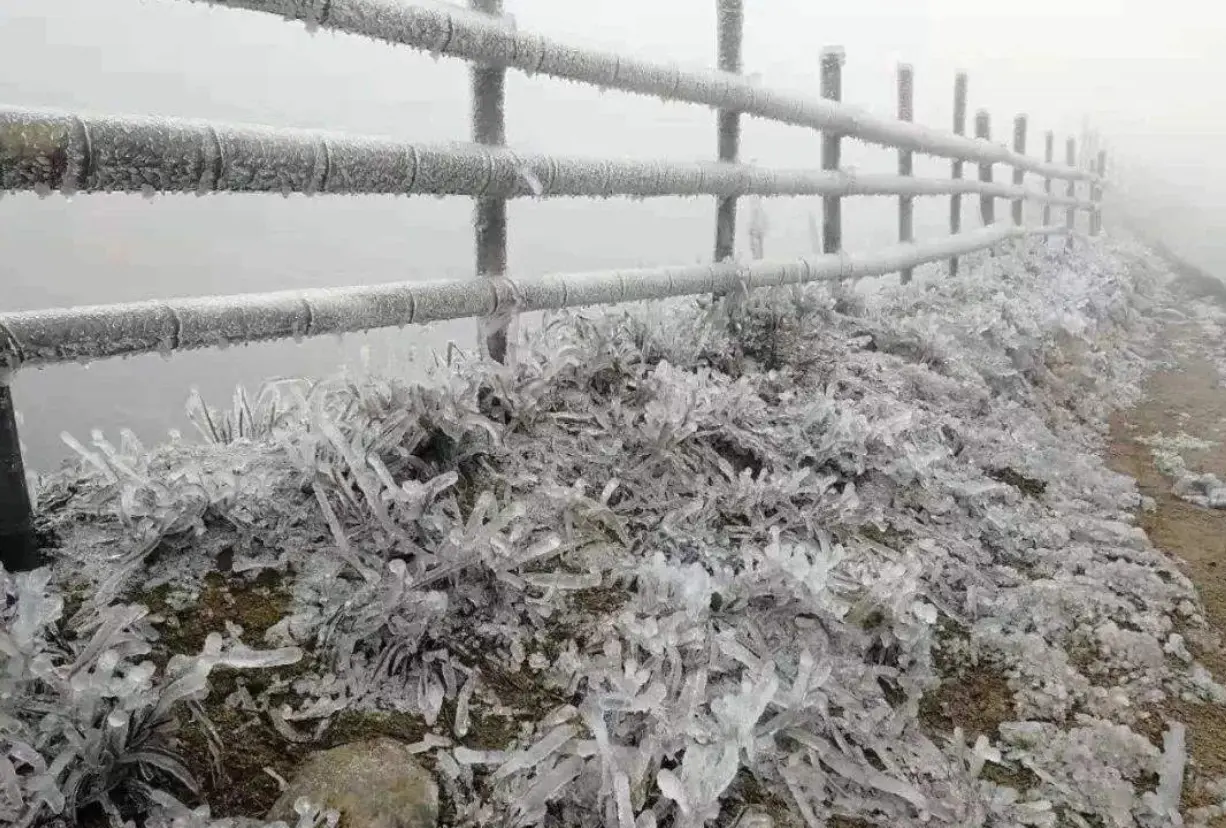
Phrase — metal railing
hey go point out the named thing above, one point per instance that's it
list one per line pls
(55, 151)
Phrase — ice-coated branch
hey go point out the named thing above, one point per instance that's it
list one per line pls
(83, 334)
(458, 34)
(49, 150)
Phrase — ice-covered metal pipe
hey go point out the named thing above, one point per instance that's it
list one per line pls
(46, 150)
(460, 34)
(87, 333)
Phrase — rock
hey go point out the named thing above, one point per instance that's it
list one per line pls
(373, 784)
(1217, 497)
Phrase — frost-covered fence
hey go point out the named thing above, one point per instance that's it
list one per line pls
(832, 207)
(490, 219)
(955, 201)
(731, 16)
(906, 159)
(47, 151)
(1096, 194)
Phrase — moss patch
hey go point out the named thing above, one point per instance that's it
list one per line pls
(519, 690)
(978, 700)
(1029, 486)
(599, 601)
(888, 537)
(247, 743)
(1019, 778)
(255, 605)
(356, 726)
(74, 598)
(240, 786)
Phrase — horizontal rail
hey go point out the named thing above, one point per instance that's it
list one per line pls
(83, 334)
(465, 36)
(43, 149)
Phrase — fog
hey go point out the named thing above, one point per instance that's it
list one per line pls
(1148, 78)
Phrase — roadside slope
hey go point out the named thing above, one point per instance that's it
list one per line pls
(1186, 398)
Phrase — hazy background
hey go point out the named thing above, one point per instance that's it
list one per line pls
(1149, 76)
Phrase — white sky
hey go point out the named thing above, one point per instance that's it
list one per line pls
(1141, 71)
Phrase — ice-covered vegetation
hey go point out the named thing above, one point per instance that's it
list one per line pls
(851, 559)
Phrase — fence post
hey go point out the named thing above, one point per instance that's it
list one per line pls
(906, 162)
(983, 130)
(1049, 155)
(18, 545)
(731, 14)
(832, 206)
(1019, 175)
(1070, 158)
(955, 200)
(1101, 169)
(1091, 218)
(490, 214)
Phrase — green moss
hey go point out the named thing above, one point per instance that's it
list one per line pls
(1063, 820)
(255, 605)
(239, 785)
(977, 699)
(357, 726)
(489, 731)
(600, 601)
(521, 691)
(889, 536)
(849, 822)
(1021, 779)
(74, 598)
(1029, 486)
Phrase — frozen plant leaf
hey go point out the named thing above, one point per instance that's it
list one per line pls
(535, 755)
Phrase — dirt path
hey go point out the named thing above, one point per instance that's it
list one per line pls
(1190, 398)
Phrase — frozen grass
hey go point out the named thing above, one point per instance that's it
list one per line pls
(851, 558)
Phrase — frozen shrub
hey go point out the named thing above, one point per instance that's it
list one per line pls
(86, 721)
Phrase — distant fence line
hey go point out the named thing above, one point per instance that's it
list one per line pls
(44, 151)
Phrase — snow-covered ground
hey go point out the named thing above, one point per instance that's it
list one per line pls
(663, 571)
